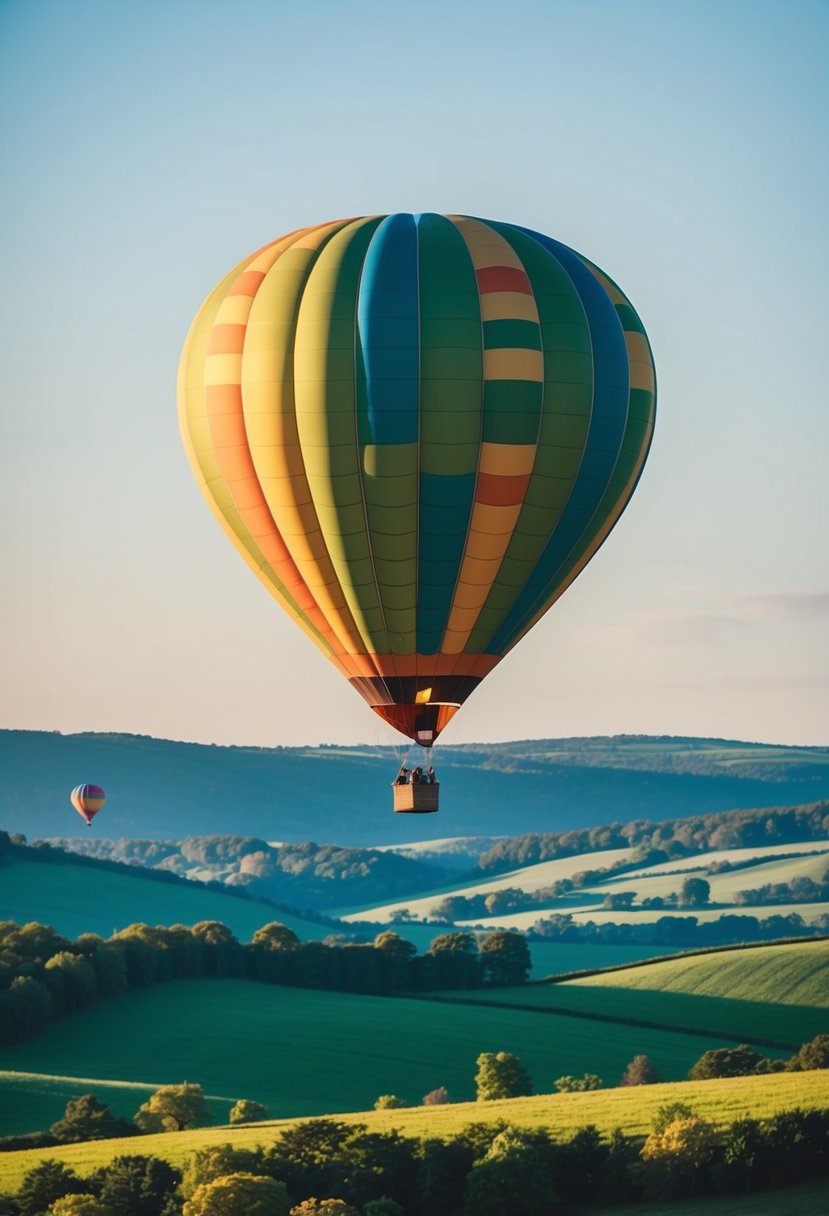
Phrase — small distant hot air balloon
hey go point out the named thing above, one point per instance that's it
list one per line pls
(417, 430)
(87, 801)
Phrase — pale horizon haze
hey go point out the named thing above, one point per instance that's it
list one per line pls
(147, 148)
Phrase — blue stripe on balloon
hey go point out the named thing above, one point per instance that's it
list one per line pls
(604, 439)
(388, 333)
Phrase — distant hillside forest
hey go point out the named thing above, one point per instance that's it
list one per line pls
(303, 876)
(161, 789)
(330, 876)
(739, 829)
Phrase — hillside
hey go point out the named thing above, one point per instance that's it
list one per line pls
(305, 1052)
(766, 994)
(163, 789)
(631, 1110)
(75, 899)
(795, 973)
(554, 887)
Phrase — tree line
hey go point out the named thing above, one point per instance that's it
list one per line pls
(44, 976)
(669, 838)
(325, 1167)
(728, 929)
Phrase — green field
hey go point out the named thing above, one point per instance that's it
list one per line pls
(768, 994)
(304, 1052)
(809, 1199)
(793, 973)
(632, 1110)
(83, 899)
(757, 866)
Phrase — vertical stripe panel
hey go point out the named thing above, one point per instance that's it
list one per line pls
(512, 377)
(568, 402)
(324, 386)
(451, 364)
(388, 402)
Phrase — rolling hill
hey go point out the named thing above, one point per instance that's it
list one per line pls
(766, 994)
(77, 899)
(305, 1052)
(159, 788)
(631, 1110)
(749, 868)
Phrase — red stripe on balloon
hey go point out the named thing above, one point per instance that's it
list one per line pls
(503, 278)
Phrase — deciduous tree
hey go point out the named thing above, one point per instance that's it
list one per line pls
(46, 1182)
(78, 1205)
(641, 1071)
(505, 957)
(88, 1119)
(501, 1075)
(694, 893)
(577, 1085)
(239, 1195)
(174, 1107)
(247, 1111)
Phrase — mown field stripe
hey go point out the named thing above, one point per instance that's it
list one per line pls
(53, 1078)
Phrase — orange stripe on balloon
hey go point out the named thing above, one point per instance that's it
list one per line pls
(247, 283)
(226, 340)
(227, 431)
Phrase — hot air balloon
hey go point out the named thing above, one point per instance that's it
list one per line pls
(87, 801)
(417, 430)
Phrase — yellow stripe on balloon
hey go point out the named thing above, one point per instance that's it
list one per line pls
(270, 419)
(327, 428)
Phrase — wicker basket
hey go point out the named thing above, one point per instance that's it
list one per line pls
(419, 798)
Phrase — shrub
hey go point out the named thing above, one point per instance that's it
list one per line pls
(246, 1111)
(389, 1102)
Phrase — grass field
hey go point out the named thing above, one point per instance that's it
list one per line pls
(809, 1199)
(793, 973)
(80, 899)
(776, 994)
(809, 859)
(528, 878)
(756, 855)
(303, 1052)
(632, 1110)
(724, 887)
(589, 908)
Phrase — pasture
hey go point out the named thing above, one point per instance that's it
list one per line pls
(528, 878)
(305, 1052)
(808, 1199)
(82, 899)
(632, 1110)
(756, 866)
(769, 995)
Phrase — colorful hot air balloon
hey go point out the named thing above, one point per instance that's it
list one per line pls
(417, 430)
(87, 801)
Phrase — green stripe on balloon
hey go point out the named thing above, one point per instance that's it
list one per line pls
(451, 364)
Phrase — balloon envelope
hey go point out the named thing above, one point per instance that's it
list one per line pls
(87, 801)
(417, 430)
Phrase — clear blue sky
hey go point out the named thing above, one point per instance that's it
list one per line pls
(148, 147)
